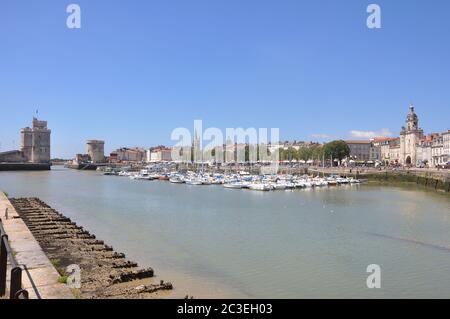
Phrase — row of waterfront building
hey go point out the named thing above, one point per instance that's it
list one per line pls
(95, 154)
(411, 148)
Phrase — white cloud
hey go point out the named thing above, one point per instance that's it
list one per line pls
(371, 134)
(321, 136)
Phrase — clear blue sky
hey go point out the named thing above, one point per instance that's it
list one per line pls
(138, 69)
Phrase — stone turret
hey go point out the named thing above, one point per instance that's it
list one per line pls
(96, 151)
(26, 139)
(35, 142)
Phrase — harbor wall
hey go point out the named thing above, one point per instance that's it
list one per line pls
(87, 166)
(12, 157)
(105, 273)
(435, 179)
(39, 276)
(24, 167)
(431, 181)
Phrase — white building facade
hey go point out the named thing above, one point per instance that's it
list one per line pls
(159, 155)
(446, 146)
(416, 149)
(437, 151)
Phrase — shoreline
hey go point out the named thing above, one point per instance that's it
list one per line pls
(104, 272)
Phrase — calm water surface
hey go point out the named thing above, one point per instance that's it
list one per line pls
(216, 242)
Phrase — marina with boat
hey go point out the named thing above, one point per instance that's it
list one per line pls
(238, 180)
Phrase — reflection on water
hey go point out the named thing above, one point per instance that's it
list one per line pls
(215, 242)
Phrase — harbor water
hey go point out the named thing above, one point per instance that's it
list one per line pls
(216, 242)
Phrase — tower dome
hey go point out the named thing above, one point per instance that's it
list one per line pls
(412, 121)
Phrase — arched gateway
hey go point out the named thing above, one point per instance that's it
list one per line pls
(408, 160)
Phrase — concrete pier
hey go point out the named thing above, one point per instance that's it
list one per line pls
(39, 276)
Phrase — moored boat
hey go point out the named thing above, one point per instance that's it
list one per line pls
(142, 175)
(260, 187)
(193, 181)
(236, 185)
(176, 180)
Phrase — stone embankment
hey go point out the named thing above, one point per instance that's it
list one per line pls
(104, 272)
(24, 167)
(39, 277)
(431, 178)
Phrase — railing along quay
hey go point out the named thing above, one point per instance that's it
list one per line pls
(6, 253)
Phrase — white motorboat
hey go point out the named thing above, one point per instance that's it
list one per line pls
(176, 180)
(205, 181)
(290, 185)
(332, 182)
(307, 184)
(124, 173)
(279, 186)
(143, 175)
(217, 181)
(192, 181)
(342, 180)
(320, 183)
(260, 187)
(236, 185)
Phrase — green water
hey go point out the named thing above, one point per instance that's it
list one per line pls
(216, 242)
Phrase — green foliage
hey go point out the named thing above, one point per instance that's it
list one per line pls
(6, 194)
(317, 152)
(61, 271)
(55, 262)
(63, 279)
(303, 153)
(337, 150)
(288, 154)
